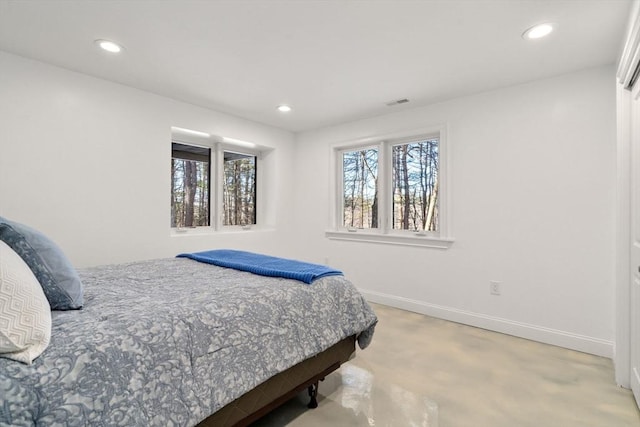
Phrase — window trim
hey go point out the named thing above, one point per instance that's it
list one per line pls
(385, 234)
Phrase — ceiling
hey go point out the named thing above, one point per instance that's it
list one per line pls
(332, 61)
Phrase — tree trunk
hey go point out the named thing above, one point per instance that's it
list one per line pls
(405, 181)
(190, 183)
(433, 199)
(374, 208)
(353, 193)
(237, 202)
(363, 175)
(424, 202)
(397, 190)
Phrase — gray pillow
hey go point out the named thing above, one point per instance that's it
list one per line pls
(58, 278)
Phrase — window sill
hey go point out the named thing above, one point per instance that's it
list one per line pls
(210, 231)
(391, 239)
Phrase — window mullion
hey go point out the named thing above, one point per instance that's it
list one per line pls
(216, 185)
(384, 189)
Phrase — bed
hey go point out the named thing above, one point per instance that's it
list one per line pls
(177, 342)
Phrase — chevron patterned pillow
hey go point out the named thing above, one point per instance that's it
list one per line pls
(25, 314)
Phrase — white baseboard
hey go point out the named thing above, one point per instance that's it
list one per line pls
(541, 334)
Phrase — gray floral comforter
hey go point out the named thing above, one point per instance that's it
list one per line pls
(168, 342)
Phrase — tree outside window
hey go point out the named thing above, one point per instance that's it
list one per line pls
(360, 188)
(239, 189)
(415, 185)
(190, 172)
(412, 185)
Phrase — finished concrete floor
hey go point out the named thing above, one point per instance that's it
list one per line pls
(426, 372)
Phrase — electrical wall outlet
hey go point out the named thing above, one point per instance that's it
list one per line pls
(495, 288)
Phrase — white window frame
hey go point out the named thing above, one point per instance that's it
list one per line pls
(385, 234)
(218, 146)
(219, 172)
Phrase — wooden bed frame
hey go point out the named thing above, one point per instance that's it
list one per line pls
(282, 387)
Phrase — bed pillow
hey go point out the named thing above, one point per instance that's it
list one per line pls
(25, 315)
(59, 280)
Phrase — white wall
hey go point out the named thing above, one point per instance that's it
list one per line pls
(87, 162)
(532, 168)
(532, 181)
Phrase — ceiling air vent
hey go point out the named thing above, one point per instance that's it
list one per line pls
(397, 102)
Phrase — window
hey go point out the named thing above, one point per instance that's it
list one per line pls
(360, 188)
(208, 177)
(239, 189)
(414, 180)
(190, 176)
(392, 190)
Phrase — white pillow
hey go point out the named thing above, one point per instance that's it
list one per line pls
(25, 314)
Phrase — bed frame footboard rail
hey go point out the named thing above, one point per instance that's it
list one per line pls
(282, 387)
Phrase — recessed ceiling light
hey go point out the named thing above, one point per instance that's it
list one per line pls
(284, 108)
(538, 31)
(109, 46)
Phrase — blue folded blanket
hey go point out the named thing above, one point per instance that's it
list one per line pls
(263, 264)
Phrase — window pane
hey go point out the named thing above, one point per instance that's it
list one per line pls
(189, 185)
(415, 185)
(239, 189)
(360, 188)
